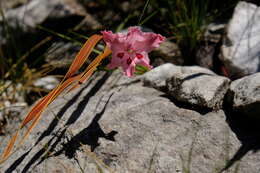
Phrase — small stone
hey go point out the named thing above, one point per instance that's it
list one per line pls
(7, 104)
(198, 87)
(48, 82)
(207, 50)
(214, 32)
(244, 95)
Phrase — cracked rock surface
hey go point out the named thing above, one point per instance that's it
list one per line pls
(194, 85)
(115, 124)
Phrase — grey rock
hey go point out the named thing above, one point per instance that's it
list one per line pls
(196, 69)
(204, 56)
(89, 22)
(157, 77)
(168, 52)
(214, 32)
(131, 129)
(37, 11)
(207, 49)
(61, 54)
(7, 4)
(48, 82)
(25, 19)
(241, 47)
(244, 95)
(199, 87)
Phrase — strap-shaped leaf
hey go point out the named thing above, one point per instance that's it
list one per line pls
(36, 112)
(9, 147)
(39, 106)
(83, 55)
(91, 68)
(37, 115)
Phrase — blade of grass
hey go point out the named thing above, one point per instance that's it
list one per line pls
(142, 14)
(148, 18)
(22, 58)
(59, 34)
(66, 37)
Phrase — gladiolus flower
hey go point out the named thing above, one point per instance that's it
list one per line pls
(131, 49)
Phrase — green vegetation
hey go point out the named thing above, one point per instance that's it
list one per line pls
(186, 20)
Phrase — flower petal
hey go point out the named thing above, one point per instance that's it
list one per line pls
(145, 61)
(128, 65)
(143, 41)
(115, 42)
(131, 49)
(117, 59)
(108, 37)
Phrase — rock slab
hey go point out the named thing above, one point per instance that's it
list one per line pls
(241, 47)
(112, 124)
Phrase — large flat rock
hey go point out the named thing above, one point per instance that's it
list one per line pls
(115, 124)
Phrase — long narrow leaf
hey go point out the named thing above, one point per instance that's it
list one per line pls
(39, 106)
(76, 64)
(48, 99)
(9, 147)
(83, 55)
(91, 68)
(34, 123)
(36, 117)
(36, 112)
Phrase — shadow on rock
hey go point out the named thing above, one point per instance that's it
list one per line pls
(88, 136)
(247, 131)
(60, 114)
(75, 115)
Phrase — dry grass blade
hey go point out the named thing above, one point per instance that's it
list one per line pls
(36, 112)
(83, 55)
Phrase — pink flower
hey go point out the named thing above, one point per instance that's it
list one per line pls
(131, 49)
